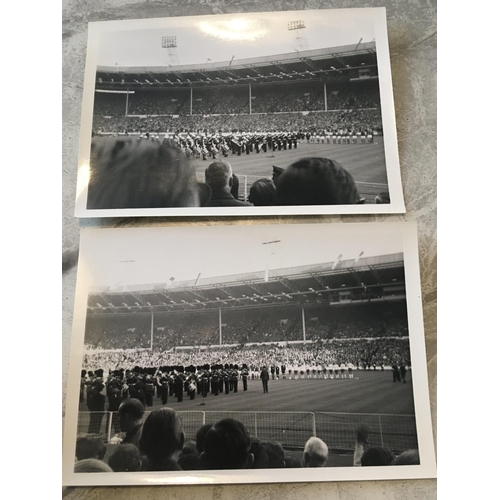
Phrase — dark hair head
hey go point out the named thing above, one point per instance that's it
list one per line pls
(262, 193)
(87, 447)
(200, 436)
(259, 452)
(190, 462)
(377, 456)
(129, 173)
(292, 463)
(227, 446)
(316, 181)
(132, 407)
(275, 453)
(162, 434)
(126, 458)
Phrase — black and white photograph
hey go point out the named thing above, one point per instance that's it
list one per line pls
(232, 354)
(240, 114)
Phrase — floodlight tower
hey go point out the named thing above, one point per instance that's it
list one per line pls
(170, 43)
(300, 42)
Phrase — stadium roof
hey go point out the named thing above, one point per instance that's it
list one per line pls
(330, 64)
(328, 283)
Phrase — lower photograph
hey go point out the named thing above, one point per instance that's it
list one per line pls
(248, 354)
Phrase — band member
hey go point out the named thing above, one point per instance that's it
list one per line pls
(244, 377)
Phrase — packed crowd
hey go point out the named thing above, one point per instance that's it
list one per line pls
(361, 353)
(158, 443)
(246, 326)
(225, 100)
(321, 122)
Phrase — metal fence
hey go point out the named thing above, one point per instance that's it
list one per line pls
(291, 429)
(367, 190)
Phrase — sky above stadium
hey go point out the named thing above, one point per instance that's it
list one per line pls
(145, 256)
(220, 38)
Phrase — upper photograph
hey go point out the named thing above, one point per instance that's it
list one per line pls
(248, 114)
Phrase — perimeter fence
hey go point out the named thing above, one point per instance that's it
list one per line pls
(291, 429)
(367, 190)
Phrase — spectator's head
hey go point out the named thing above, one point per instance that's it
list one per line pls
(162, 435)
(275, 453)
(259, 452)
(126, 458)
(315, 453)
(131, 412)
(130, 173)
(262, 193)
(189, 448)
(377, 456)
(88, 448)
(316, 181)
(200, 436)
(92, 465)
(408, 457)
(227, 446)
(219, 175)
(292, 463)
(189, 462)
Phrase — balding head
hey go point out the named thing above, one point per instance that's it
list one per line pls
(219, 174)
(315, 453)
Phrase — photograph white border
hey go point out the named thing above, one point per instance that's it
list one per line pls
(96, 29)
(427, 468)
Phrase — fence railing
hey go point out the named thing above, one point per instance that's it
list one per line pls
(291, 429)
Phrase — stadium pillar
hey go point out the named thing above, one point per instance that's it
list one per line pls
(152, 321)
(191, 102)
(326, 99)
(126, 104)
(303, 323)
(250, 97)
(220, 326)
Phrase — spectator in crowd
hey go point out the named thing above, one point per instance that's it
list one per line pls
(189, 458)
(128, 172)
(87, 447)
(316, 181)
(408, 457)
(227, 446)
(362, 433)
(377, 456)
(125, 458)
(162, 439)
(262, 193)
(315, 453)
(200, 437)
(259, 452)
(131, 412)
(219, 177)
(292, 463)
(92, 465)
(275, 453)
